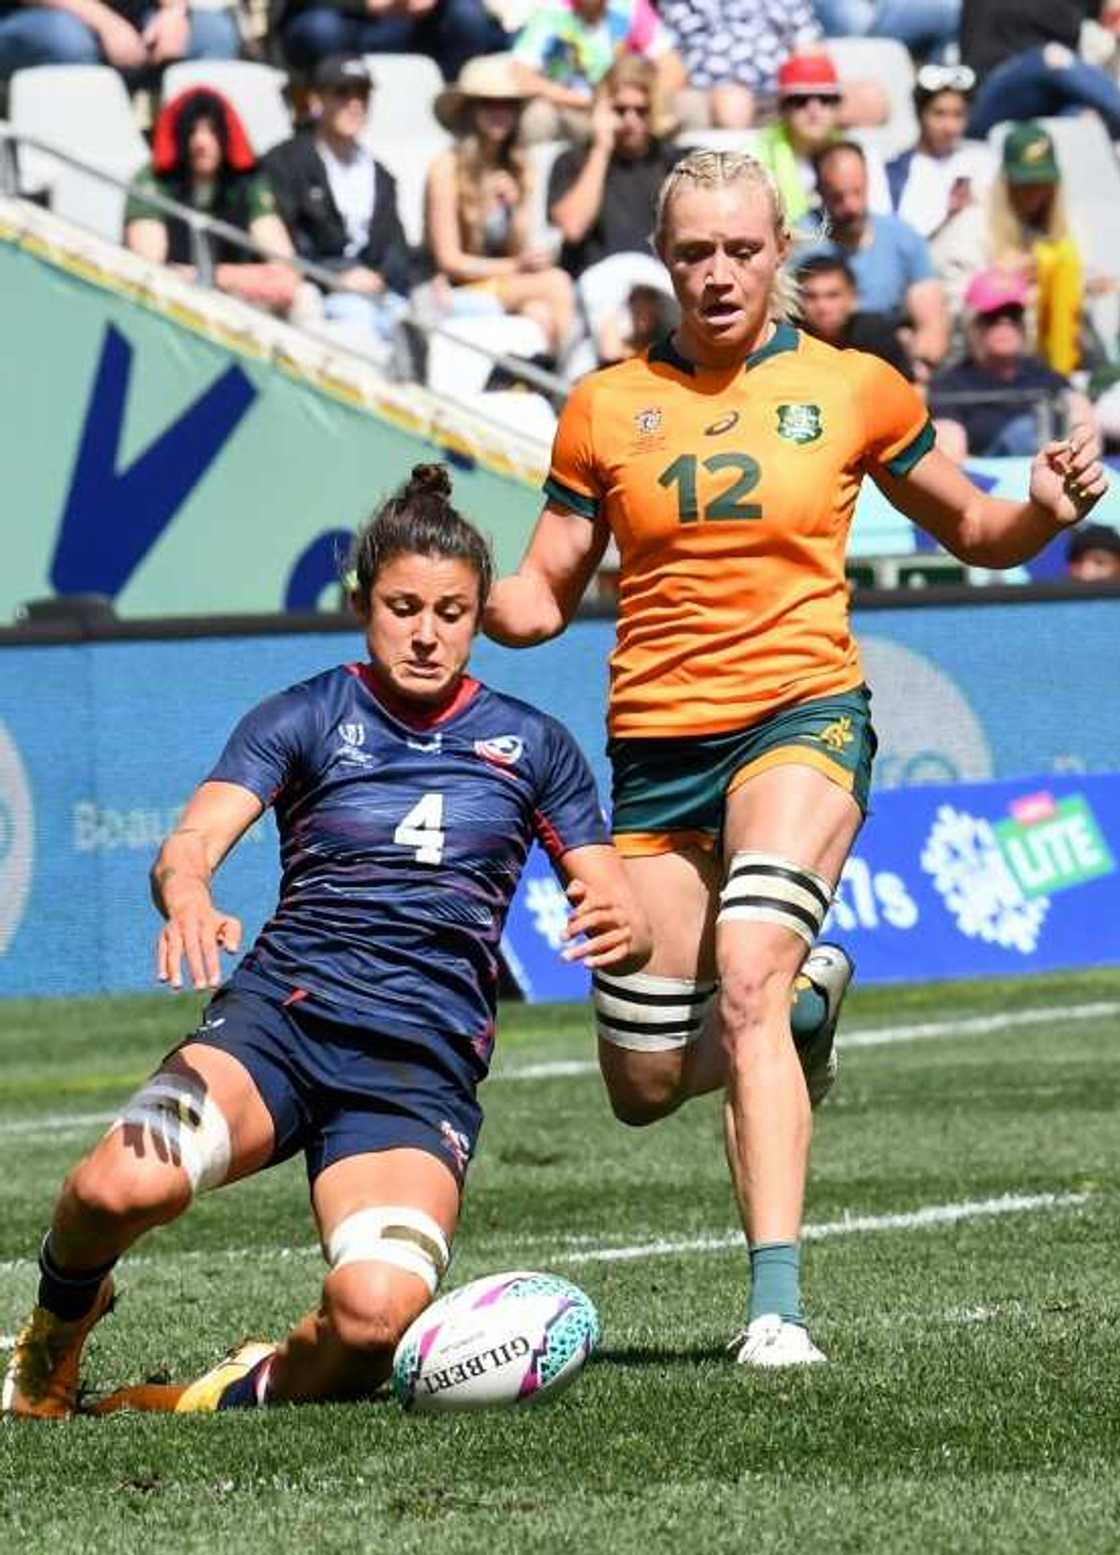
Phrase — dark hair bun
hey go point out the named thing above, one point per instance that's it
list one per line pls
(427, 480)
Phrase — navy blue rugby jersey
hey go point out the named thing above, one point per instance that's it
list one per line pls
(401, 843)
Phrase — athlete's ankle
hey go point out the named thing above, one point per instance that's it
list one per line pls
(776, 1281)
(68, 1292)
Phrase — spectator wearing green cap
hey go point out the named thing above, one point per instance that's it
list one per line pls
(1024, 228)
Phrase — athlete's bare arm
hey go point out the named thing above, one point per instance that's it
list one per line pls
(606, 911)
(217, 815)
(541, 597)
(1067, 481)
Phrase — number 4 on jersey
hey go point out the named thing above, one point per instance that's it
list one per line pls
(422, 829)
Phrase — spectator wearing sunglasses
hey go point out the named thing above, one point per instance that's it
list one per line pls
(1025, 55)
(994, 403)
(942, 173)
(601, 197)
(810, 112)
(925, 26)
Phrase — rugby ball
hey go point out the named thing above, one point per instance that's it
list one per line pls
(507, 1339)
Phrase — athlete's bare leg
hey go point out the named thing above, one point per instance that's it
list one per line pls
(133, 1179)
(345, 1348)
(798, 814)
(200, 1121)
(680, 894)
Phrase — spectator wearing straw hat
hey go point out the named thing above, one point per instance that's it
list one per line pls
(479, 208)
(998, 374)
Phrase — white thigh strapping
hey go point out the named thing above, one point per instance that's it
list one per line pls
(395, 1234)
(649, 1014)
(186, 1126)
(764, 887)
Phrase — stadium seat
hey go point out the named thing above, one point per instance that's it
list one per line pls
(405, 86)
(516, 411)
(256, 92)
(889, 62)
(402, 132)
(460, 356)
(542, 154)
(97, 127)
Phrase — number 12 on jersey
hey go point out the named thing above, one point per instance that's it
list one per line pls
(422, 829)
(729, 503)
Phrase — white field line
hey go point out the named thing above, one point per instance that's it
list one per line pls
(929, 1215)
(849, 1225)
(882, 1036)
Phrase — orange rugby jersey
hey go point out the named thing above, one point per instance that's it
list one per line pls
(730, 494)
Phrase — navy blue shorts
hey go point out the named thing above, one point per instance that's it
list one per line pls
(332, 1095)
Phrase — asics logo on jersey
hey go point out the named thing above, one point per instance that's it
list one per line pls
(353, 734)
(724, 424)
(503, 750)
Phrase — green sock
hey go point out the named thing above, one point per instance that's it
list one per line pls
(776, 1281)
(808, 1015)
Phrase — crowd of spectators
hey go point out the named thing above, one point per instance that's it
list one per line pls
(957, 259)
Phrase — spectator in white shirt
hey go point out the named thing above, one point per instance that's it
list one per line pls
(340, 205)
(943, 173)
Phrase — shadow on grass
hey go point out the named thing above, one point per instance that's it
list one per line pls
(641, 1356)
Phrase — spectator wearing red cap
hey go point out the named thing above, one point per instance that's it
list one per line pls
(201, 158)
(810, 114)
(1001, 400)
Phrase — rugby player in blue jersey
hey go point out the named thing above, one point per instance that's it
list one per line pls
(360, 1023)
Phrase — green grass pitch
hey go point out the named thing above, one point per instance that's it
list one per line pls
(972, 1403)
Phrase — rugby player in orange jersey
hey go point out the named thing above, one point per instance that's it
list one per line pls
(726, 463)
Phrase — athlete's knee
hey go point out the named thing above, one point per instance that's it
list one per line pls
(752, 994)
(638, 1105)
(120, 1191)
(386, 1265)
(369, 1307)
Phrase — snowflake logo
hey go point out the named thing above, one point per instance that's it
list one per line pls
(963, 858)
(549, 907)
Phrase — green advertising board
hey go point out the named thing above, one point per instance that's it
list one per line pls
(151, 456)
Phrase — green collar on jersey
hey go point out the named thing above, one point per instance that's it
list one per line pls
(784, 338)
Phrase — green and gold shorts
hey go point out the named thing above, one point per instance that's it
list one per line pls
(667, 793)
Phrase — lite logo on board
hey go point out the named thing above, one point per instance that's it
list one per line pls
(997, 879)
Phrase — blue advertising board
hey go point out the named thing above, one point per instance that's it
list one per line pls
(101, 743)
